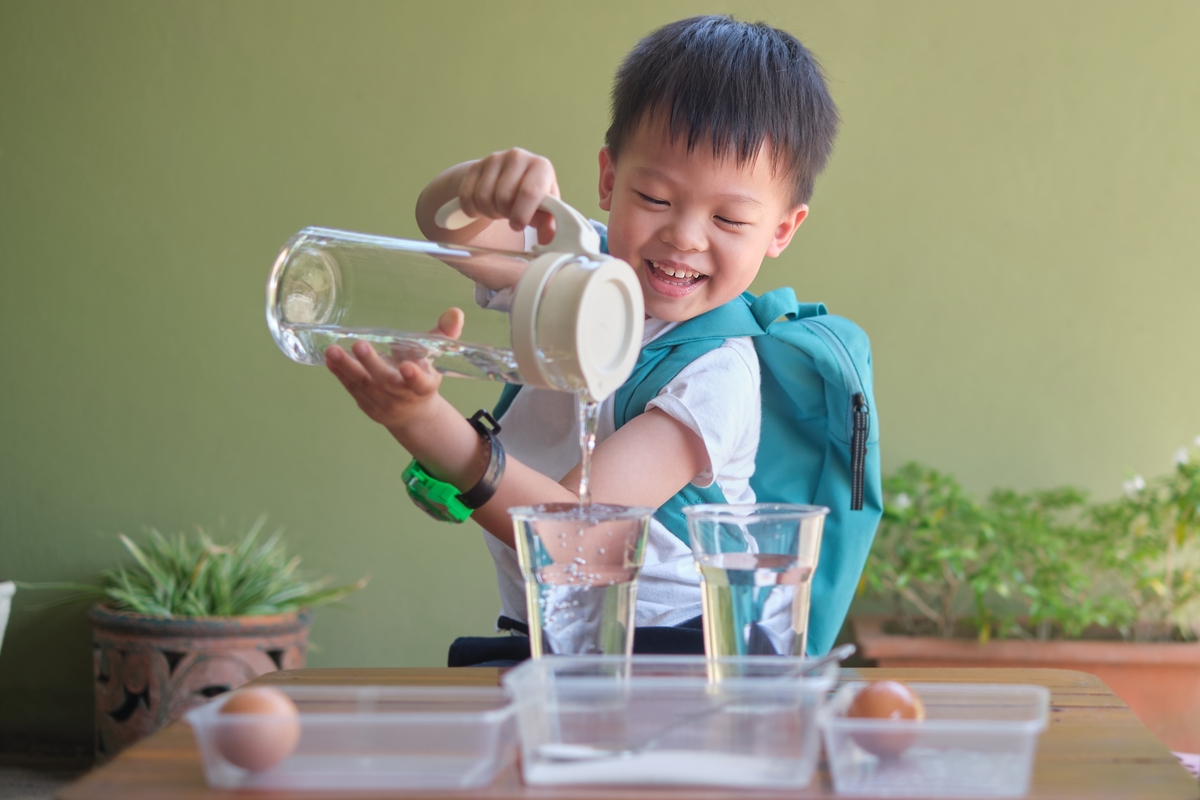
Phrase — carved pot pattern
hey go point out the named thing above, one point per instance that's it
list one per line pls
(150, 670)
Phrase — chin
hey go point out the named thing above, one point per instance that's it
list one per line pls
(669, 312)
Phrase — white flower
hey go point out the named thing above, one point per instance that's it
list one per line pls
(903, 501)
(1182, 456)
(1134, 485)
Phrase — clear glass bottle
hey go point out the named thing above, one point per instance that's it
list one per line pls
(574, 320)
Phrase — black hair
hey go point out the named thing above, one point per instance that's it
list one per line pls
(735, 85)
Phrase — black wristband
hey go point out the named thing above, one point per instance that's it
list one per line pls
(481, 492)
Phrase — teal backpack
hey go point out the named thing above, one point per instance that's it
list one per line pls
(819, 442)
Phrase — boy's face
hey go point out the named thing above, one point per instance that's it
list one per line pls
(693, 226)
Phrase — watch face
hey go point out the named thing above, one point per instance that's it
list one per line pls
(435, 510)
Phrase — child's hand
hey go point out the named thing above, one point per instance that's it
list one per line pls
(394, 396)
(511, 185)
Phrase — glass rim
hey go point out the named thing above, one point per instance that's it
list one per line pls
(569, 512)
(753, 511)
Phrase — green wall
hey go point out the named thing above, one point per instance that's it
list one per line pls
(1010, 213)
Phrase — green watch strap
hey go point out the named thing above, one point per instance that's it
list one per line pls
(438, 499)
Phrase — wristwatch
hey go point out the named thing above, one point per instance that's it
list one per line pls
(442, 500)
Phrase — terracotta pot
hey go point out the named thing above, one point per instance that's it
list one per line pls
(1159, 681)
(150, 670)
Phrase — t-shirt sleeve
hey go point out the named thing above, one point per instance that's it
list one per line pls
(717, 396)
(503, 299)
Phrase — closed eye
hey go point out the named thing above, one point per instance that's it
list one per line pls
(731, 223)
(652, 200)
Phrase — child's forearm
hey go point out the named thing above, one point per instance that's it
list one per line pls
(451, 450)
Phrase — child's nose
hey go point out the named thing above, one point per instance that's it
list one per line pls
(683, 233)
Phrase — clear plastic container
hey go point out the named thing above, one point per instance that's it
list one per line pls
(977, 740)
(675, 720)
(372, 737)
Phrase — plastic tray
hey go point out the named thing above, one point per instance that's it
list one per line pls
(977, 740)
(679, 720)
(374, 737)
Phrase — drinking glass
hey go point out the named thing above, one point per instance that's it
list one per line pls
(580, 564)
(756, 564)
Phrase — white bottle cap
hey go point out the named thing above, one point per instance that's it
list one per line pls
(577, 323)
(577, 315)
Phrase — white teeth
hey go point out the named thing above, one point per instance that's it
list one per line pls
(674, 272)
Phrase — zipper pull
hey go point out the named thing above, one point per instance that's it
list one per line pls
(858, 450)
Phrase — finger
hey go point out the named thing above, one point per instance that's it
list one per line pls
(450, 323)
(345, 366)
(510, 186)
(355, 379)
(379, 371)
(422, 379)
(537, 182)
(525, 205)
(546, 226)
(485, 188)
(466, 190)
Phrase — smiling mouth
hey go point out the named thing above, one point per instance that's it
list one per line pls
(675, 278)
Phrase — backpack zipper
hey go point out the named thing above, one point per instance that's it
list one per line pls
(858, 450)
(859, 422)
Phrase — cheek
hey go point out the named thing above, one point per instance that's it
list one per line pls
(625, 235)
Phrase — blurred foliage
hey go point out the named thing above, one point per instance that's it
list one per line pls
(1042, 564)
(194, 576)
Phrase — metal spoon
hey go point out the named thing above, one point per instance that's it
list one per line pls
(569, 753)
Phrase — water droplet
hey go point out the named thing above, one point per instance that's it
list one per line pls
(580, 560)
(610, 534)
(601, 551)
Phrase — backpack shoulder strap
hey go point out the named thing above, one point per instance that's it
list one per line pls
(782, 303)
(665, 357)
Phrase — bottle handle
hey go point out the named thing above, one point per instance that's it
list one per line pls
(573, 234)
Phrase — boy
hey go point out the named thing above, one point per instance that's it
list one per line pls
(719, 129)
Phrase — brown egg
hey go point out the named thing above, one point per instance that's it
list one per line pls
(266, 733)
(890, 700)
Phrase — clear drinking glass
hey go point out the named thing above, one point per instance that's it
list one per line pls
(756, 565)
(580, 564)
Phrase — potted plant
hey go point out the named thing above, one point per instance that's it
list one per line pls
(190, 619)
(1045, 579)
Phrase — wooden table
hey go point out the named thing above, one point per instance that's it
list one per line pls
(1093, 747)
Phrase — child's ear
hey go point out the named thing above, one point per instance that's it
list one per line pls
(787, 229)
(608, 178)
